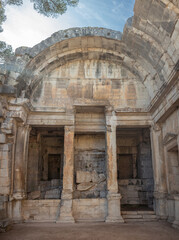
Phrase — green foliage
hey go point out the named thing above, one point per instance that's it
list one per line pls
(14, 2)
(49, 8)
(5, 51)
(2, 17)
(52, 8)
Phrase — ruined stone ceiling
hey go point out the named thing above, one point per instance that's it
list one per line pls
(148, 47)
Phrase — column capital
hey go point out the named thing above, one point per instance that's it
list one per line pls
(110, 128)
(69, 128)
(157, 127)
(109, 111)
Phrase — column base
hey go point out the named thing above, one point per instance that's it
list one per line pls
(66, 220)
(114, 208)
(66, 208)
(161, 205)
(17, 211)
(114, 220)
(175, 224)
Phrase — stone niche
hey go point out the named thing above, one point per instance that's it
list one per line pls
(134, 167)
(90, 166)
(45, 163)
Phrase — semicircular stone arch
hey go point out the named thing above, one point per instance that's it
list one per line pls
(86, 48)
(88, 74)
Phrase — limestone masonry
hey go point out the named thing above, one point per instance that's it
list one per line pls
(89, 123)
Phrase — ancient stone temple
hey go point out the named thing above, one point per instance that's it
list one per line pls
(89, 123)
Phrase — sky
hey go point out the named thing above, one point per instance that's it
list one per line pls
(25, 27)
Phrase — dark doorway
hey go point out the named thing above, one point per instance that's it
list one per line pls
(54, 166)
(125, 166)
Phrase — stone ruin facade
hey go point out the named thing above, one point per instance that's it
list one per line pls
(89, 122)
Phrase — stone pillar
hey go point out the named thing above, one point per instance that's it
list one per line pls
(20, 169)
(176, 221)
(176, 197)
(134, 159)
(159, 169)
(66, 205)
(113, 197)
(178, 136)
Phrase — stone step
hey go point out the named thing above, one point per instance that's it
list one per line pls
(129, 216)
(139, 216)
(137, 212)
(139, 220)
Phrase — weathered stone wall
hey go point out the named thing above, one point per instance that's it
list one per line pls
(90, 81)
(47, 210)
(139, 188)
(40, 210)
(90, 209)
(5, 169)
(170, 141)
(90, 166)
(171, 124)
(136, 191)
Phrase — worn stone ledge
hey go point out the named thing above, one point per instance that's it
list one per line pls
(67, 34)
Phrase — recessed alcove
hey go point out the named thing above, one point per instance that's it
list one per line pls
(134, 166)
(45, 163)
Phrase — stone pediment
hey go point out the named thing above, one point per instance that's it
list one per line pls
(169, 137)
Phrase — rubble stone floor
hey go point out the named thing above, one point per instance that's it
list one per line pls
(92, 231)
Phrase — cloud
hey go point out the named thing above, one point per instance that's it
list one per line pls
(89, 14)
(117, 7)
(26, 27)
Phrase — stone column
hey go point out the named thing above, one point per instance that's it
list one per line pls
(176, 197)
(134, 159)
(113, 197)
(178, 135)
(159, 169)
(176, 221)
(20, 169)
(66, 205)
